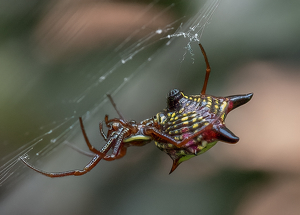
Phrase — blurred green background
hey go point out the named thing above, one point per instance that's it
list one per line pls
(52, 55)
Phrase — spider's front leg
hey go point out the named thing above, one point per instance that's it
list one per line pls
(96, 159)
(118, 131)
(91, 147)
(125, 134)
(86, 169)
(118, 149)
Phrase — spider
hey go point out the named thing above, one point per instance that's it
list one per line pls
(189, 126)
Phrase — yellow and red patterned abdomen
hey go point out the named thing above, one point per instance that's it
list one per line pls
(187, 115)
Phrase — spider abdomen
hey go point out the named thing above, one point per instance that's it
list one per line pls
(196, 123)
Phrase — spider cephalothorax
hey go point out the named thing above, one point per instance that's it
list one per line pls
(189, 126)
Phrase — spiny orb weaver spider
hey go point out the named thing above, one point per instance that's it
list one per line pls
(189, 126)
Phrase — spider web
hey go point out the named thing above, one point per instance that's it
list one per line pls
(113, 77)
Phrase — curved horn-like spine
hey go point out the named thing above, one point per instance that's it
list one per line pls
(225, 135)
(238, 100)
(175, 165)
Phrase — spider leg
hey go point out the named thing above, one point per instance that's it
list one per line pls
(86, 169)
(106, 120)
(121, 121)
(207, 70)
(115, 106)
(102, 132)
(169, 139)
(154, 131)
(88, 143)
(122, 152)
(185, 141)
(118, 148)
(92, 148)
(209, 126)
(85, 152)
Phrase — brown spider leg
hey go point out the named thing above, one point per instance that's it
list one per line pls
(115, 106)
(92, 149)
(122, 152)
(207, 70)
(106, 120)
(86, 169)
(151, 130)
(85, 152)
(121, 121)
(117, 147)
(102, 132)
